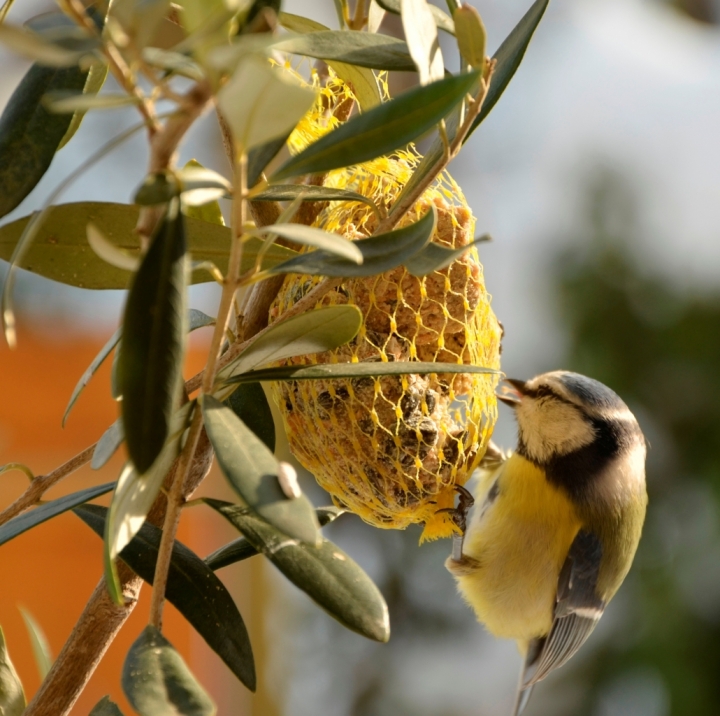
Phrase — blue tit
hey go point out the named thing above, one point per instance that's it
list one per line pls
(557, 522)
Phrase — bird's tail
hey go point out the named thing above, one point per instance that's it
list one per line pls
(532, 651)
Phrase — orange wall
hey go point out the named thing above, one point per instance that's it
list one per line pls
(52, 569)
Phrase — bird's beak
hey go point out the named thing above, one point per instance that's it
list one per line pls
(511, 392)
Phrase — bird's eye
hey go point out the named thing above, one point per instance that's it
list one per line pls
(544, 391)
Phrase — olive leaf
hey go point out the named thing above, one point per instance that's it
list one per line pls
(133, 497)
(156, 680)
(38, 515)
(108, 445)
(39, 643)
(442, 20)
(422, 38)
(61, 252)
(435, 257)
(331, 371)
(12, 696)
(253, 472)
(193, 589)
(250, 404)
(313, 332)
(153, 343)
(310, 236)
(288, 192)
(325, 573)
(381, 253)
(105, 707)
(29, 135)
(381, 130)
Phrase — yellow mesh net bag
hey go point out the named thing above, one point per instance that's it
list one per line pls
(392, 448)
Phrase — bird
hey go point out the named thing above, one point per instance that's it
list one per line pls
(557, 521)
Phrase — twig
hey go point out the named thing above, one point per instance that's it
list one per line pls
(43, 483)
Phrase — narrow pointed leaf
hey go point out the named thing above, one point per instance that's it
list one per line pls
(39, 642)
(91, 370)
(240, 549)
(134, 496)
(93, 84)
(471, 35)
(434, 257)
(153, 344)
(61, 252)
(29, 134)
(313, 332)
(261, 155)
(198, 319)
(442, 20)
(361, 79)
(157, 681)
(250, 404)
(35, 47)
(380, 253)
(105, 707)
(260, 104)
(325, 573)
(509, 56)
(422, 38)
(108, 445)
(381, 130)
(12, 696)
(331, 371)
(288, 192)
(362, 49)
(252, 471)
(65, 102)
(193, 589)
(43, 513)
(309, 236)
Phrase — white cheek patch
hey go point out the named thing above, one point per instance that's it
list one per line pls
(624, 477)
(550, 428)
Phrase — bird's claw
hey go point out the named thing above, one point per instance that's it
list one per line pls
(459, 514)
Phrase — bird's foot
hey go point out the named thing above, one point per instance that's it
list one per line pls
(459, 517)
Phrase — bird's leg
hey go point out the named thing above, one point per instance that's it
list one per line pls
(458, 562)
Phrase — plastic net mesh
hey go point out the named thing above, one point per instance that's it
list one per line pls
(392, 448)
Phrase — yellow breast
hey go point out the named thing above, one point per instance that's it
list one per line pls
(520, 541)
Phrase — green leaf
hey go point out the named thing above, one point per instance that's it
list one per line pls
(471, 35)
(309, 236)
(325, 573)
(174, 62)
(66, 102)
(133, 497)
(380, 253)
(253, 472)
(38, 515)
(29, 134)
(157, 681)
(509, 56)
(381, 130)
(139, 19)
(61, 252)
(422, 39)
(288, 192)
(35, 47)
(39, 642)
(193, 589)
(313, 332)
(198, 319)
(250, 404)
(12, 697)
(442, 19)
(435, 257)
(331, 371)
(105, 707)
(93, 84)
(260, 104)
(110, 253)
(91, 370)
(153, 344)
(108, 444)
(362, 49)
(240, 549)
(362, 80)
(261, 155)
(205, 210)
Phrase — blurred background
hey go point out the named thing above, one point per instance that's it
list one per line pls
(598, 175)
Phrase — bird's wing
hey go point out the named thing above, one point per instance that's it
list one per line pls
(577, 610)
